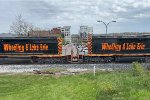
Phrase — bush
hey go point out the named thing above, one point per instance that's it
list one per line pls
(137, 69)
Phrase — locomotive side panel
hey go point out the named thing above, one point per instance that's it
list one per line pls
(31, 50)
(97, 44)
(120, 45)
(29, 46)
(134, 45)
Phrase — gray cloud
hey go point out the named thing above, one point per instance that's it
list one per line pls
(80, 10)
(76, 12)
(41, 8)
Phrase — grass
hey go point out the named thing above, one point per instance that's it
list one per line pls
(104, 86)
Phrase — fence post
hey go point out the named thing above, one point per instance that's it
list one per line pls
(94, 70)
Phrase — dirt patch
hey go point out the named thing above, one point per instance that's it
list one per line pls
(54, 73)
(62, 72)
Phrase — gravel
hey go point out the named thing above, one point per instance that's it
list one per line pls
(69, 67)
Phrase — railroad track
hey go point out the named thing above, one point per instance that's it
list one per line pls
(31, 67)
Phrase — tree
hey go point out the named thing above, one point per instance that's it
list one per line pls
(20, 26)
(62, 35)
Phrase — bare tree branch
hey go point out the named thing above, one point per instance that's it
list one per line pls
(20, 26)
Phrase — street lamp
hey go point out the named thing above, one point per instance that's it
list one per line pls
(106, 24)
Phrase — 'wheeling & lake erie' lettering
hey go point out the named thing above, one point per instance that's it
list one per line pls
(124, 46)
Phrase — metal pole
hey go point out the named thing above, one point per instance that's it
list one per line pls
(94, 70)
(106, 30)
(106, 25)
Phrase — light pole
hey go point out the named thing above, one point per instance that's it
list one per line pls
(106, 24)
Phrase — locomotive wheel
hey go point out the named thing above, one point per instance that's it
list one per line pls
(147, 59)
(108, 59)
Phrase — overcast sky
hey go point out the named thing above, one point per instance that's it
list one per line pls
(131, 15)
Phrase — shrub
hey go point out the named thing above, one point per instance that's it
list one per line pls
(137, 69)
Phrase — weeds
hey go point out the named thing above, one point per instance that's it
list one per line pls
(107, 90)
(137, 69)
(115, 85)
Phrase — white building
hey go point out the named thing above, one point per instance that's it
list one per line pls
(83, 32)
(66, 31)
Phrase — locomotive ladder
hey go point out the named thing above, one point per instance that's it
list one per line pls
(89, 44)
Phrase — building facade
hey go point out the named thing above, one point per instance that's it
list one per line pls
(39, 33)
(56, 31)
(75, 38)
(65, 30)
(84, 31)
(45, 33)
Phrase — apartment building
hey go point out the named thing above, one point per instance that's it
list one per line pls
(83, 32)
